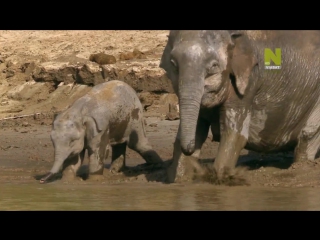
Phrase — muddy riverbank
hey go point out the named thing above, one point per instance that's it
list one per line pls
(26, 151)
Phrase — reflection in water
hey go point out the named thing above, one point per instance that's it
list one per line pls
(126, 196)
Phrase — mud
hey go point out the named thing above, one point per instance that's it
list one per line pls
(27, 108)
(118, 129)
(135, 113)
(26, 151)
(102, 58)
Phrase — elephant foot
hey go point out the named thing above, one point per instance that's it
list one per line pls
(97, 172)
(117, 165)
(96, 168)
(49, 177)
(69, 175)
(171, 174)
(184, 171)
(225, 176)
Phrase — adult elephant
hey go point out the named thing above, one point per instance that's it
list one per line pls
(221, 81)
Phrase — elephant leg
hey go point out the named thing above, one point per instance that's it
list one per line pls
(233, 138)
(98, 152)
(95, 163)
(182, 166)
(118, 159)
(309, 139)
(140, 144)
(231, 144)
(76, 166)
(72, 165)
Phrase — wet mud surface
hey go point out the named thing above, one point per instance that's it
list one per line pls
(26, 151)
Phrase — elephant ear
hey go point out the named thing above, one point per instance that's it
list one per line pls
(165, 59)
(165, 62)
(95, 122)
(242, 60)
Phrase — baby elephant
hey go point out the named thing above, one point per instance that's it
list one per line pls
(108, 115)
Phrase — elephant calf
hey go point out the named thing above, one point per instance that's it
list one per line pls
(110, 114)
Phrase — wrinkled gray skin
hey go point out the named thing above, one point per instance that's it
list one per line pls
(221, 83)
(110, 114)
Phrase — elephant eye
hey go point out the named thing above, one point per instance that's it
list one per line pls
(175, 68)
(214, 68)
(215, 64)
(72, 142)
(173, 62)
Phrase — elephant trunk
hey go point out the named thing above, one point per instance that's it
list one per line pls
(190, 95)
(59, 158)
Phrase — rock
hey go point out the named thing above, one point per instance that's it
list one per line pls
(90, 73)
(71, 91)
(25, 124)
(135, 54)
(140, 75)
(67, 75)
(165, 101)
(4, 102)
(36, 116)
(167, 98)
(28, 90)
(145, 99)
(173, 113)
(28, 78)
(102, 58)
(126, 56)
(28, 68)
(10, 73)
(55, 71)
(138, 54)
(9, 64)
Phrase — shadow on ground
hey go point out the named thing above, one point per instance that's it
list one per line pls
(152, 172)
(157, 172)
(251, 161)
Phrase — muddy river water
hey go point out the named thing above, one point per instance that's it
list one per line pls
(57, 196)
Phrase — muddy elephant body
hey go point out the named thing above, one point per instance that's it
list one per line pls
(109, 115)
(222, 82)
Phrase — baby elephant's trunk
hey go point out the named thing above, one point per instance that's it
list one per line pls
(49, 177)
(60, 157)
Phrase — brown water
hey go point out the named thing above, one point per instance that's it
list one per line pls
(154, 197)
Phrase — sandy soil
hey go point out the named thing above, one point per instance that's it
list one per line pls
(42, 72)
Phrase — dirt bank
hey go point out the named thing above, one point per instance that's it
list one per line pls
(45, 71)
(42, 72)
